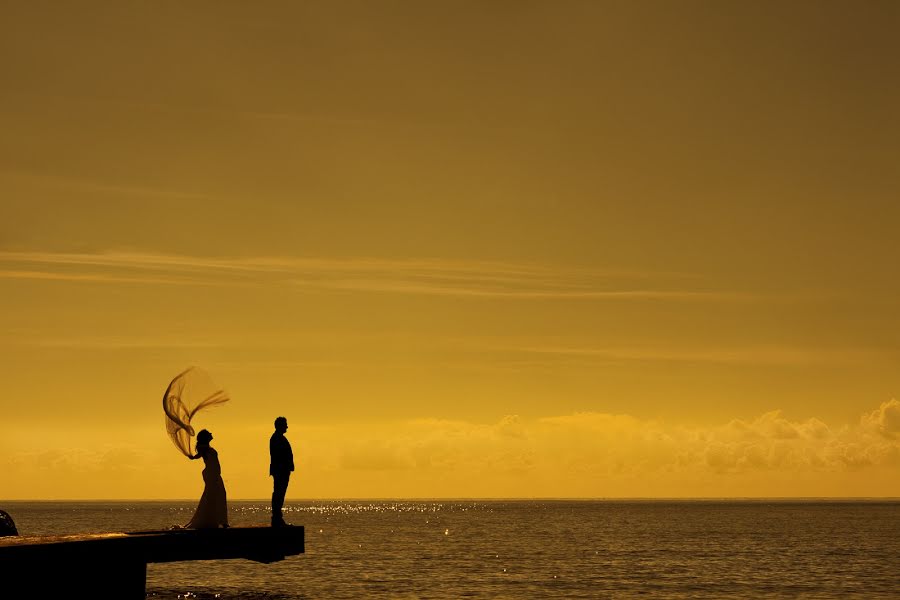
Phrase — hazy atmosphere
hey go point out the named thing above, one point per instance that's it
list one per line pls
(487, 249)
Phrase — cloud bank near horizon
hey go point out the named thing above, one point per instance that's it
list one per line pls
(604, 444)
(587, 454)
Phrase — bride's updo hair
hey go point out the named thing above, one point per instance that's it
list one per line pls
(204, 437)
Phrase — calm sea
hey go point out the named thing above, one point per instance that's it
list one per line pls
(527, 549)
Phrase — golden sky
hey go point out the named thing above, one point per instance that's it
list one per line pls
(492, 249)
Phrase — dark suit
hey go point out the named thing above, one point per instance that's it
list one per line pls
(280, 467)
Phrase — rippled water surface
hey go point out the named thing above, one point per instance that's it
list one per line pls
(527, 549)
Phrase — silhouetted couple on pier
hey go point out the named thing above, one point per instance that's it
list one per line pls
(212, 511)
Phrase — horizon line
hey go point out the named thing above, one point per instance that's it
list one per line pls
(469, 499)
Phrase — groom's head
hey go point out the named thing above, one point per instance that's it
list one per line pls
(281, 424)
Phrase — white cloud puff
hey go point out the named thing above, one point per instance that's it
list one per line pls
(885, 419)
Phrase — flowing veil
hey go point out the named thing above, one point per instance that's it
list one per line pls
(188, 393)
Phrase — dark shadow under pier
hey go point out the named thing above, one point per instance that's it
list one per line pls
(114, 565)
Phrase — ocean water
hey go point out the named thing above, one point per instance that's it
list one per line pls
(527, 549)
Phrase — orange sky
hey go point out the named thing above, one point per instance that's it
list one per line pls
(468, 249)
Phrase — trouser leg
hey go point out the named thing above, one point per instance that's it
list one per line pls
(279, 489)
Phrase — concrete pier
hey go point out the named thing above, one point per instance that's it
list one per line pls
(114, 565)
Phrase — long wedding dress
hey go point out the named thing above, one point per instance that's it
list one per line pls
(212, 511)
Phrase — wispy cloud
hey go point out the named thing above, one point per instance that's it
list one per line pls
(476, 279)
(308, 117)
(121, 343)
(95, 187)
(94, 277)
(761, 355)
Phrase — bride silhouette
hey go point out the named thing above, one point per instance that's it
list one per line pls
(212, 510)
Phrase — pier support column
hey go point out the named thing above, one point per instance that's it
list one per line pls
(128, 579)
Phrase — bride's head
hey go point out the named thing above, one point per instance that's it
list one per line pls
(204, 438)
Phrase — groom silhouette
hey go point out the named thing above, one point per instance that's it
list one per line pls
(280, 467)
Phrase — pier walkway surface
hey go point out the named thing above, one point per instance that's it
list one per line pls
(114, 565)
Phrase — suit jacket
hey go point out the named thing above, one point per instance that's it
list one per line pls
(282, 458)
